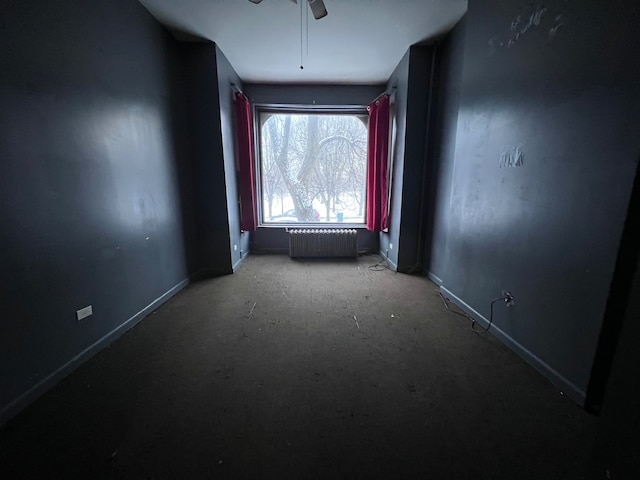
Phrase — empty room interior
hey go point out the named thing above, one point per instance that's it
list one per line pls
(319, 239)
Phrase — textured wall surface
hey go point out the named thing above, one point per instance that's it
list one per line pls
(410, 105)
(200, 66)
(399, 83)
(238, 241)
(442, 142)
(547, 144)
(94, 202)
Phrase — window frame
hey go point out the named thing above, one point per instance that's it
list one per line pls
(275, 108)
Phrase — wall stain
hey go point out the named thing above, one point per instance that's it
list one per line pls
(558, 23)
(512, 157)
(522, 24)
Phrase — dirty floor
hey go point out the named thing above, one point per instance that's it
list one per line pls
(307, 370)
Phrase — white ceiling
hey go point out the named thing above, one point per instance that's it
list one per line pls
(358, 42)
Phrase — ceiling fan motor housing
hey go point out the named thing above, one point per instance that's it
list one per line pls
(317, 7)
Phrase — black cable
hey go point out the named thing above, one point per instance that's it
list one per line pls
(485, 330)
(444, 301)
(473, 320)
(380, 266)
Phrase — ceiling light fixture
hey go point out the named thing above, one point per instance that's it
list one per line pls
(317, 7)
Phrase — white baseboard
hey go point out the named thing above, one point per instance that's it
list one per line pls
(566, 387)
(242, 258)
(18, 404)
(434, 278)
(393, 266)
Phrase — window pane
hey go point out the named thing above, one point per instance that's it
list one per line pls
(313, 167)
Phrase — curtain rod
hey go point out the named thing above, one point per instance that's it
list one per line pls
(389, 92)
(236, 89)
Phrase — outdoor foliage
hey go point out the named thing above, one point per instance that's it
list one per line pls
(314, 159)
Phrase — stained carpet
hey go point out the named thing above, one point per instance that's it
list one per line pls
(306, 370)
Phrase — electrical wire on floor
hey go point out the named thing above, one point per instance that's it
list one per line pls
(380, 266)
(485, 330)
(469, 317)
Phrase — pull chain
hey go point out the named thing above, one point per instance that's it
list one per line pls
(301, 33)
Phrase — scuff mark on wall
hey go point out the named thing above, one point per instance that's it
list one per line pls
(558, 23)
(512, 157)
(522, 24)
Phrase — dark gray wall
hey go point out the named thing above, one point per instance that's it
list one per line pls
(618, 435)
(399, 83)
(558, 82)
(442, 143)
(415, 158)
(411, 80)
(200, 66)
(238, 241)
(221, 244)
(94, 196)
(356, 95)
(275, 239)
(616, 314)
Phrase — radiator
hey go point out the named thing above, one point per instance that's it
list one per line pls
(324, 242)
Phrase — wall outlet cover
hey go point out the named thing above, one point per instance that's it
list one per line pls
(84, 312)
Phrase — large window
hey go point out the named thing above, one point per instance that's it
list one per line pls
(313, 166)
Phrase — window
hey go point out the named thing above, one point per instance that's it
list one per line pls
(312, 166)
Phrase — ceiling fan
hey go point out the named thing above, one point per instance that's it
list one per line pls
(317, 7)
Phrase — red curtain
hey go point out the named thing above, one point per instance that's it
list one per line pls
(377, 161)
(246, 182)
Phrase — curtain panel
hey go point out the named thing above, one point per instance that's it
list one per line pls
(377, 164)
(246, 177)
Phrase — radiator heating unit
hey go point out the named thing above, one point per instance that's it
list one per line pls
(322, 242)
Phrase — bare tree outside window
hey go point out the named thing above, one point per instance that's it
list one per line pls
(313, 167)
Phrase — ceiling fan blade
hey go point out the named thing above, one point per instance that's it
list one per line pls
(318, 9)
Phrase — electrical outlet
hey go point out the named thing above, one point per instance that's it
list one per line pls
(235, 248)
(508, 298)
(84, 312)
(391, 246)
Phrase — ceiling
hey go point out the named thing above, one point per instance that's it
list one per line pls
(358, 42)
